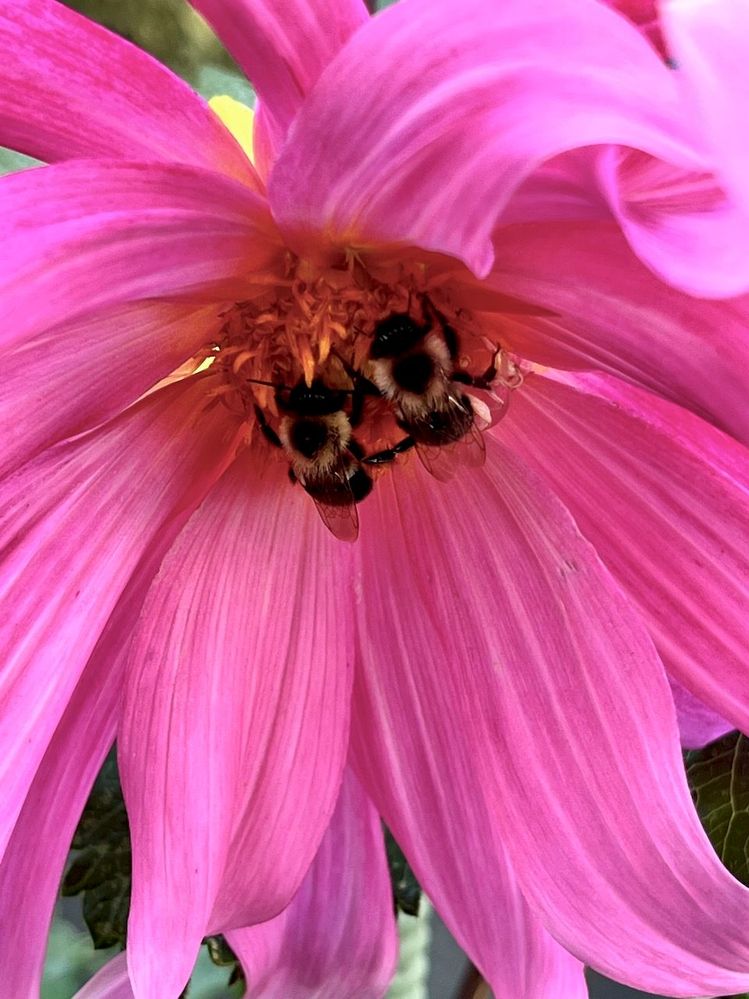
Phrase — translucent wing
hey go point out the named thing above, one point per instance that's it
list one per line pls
(341, 521)
(334, 499)
(443, 460)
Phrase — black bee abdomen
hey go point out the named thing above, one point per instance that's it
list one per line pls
(414, 372)
(394, 335)
(308, 437)
(361, 485)
(314, 400)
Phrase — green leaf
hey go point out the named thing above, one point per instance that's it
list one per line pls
(719, 780)
(214, 80)
(101, 868)
(406, 889)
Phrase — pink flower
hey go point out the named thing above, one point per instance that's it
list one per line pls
(491, 659)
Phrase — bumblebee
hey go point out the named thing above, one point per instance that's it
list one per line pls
(316, 432)
(412, 364)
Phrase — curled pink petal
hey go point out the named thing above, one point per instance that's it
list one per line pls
(85, 235)
(70, 548)
(428, 636)
(453, 113)
(612, 314)
(58, 102)
(698, 724)
(645, 481)
(283, 47)
(337, 936)
(710, 42)
(112, 358)
(239, 753)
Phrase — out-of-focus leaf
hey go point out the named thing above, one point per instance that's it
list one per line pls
(406, 889)
(101, 867)
(719, 780)
(213, 81)
(10, 161)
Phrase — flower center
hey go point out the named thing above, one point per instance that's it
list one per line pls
(345, 369)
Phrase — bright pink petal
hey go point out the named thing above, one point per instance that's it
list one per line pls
(494, 622)
(337, 937)
(236, 719)
(74, 524)
(283, 47)
(710, 42)
(664, 497)
(698, 724)
(110, 982)
(111, 357)
(425, 651)
(82, 236)
(614, 315)
(62, 782)
(453, 112)
(71, 89)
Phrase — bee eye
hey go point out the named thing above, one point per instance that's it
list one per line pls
(414, 373)
(308, 437)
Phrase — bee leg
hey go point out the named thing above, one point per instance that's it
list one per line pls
(267, 431)
(390, 453)
(292, 477)
(479, 381)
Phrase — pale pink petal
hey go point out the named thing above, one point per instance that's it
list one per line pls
(111, 357)
(664, 497)
(494, 622)
(74, 524)
(110, 982)
(283, 48)
(710, 43)
(426, 646)
(680, 223)
(614, 315)
(643, 13)
(71, 89)
(85, 235)
(235, 722)
(698, 724)
(451, 113)
(337, 937)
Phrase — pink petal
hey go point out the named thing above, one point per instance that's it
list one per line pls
(453, 112)
(710, 42)
(337, 937)
(82, 236)
(680, 223)
(698, 724)
(235, 722)
(425, 653)
(517, 640)
(614, 315)
(71, 89)
(70, 548)
(110, 982)
(643, 13)
(111, 357)
(61, 785)
(664, 497)
(283, 48)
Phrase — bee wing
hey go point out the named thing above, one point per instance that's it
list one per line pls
(442, 461)
(490, 405)
(341, 517)
(341, 520)
(438, 461)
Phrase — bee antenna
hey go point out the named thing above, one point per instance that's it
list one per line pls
(259, 381)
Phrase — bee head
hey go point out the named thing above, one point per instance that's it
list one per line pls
(316, 399)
